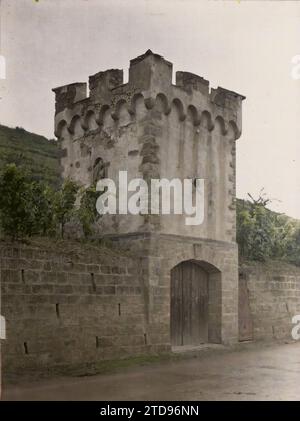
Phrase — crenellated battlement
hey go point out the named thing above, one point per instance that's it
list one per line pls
(150, 78)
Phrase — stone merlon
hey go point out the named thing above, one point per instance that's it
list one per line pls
(68, 95)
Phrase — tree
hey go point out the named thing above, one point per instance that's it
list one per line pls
(64, 202)
(87, 212)
(42, 203)
(263, 234)
(256, 229)
(16, 214)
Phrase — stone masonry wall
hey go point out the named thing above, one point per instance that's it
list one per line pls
(69, 305)
(274, 298)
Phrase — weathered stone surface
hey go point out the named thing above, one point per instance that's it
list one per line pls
(274, 298)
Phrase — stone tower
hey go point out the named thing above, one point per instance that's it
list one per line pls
(155, 129)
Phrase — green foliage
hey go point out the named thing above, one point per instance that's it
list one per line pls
(263, 234)
(64, 203)
(87, 212)
(29, 207)
(293, 245)
(15, 212)
(26, 206)
(42, 205)
(254, 232)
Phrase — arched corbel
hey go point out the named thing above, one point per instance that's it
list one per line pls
(85, 119)
(192, 110)
(165, 103)
(224, 128)
(74, 120)
(236, 130)
(100, 117)
(179, 105)
(116, 113)
(59, 128)
(132, 106)
(206, 115)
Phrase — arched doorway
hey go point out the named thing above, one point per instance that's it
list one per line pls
(195, 315)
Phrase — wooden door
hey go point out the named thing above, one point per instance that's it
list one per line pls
(245, 317)
(189, 305)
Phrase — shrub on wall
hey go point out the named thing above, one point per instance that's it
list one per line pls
(263, 234)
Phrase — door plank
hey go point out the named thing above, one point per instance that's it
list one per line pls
(176, 306)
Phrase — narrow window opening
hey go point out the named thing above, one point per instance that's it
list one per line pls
(93, 282)
(119, 309)
(26, 348)
(23, 276)
(57, 310)
(145, 338)
(97, 342)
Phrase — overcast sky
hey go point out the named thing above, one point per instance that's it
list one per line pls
(244, 46)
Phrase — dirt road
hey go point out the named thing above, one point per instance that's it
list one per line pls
(254, 373)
